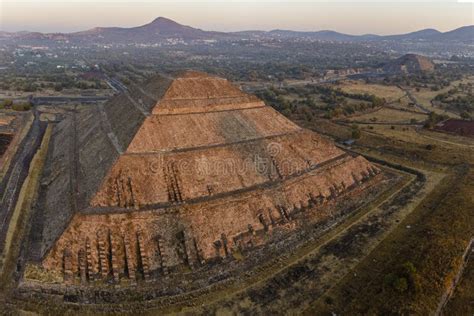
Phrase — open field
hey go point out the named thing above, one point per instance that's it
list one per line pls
(416, 135)
(462, 300)
(426, 148)
(387, 115)
(390, 93)
(432, 239)
(426, 95)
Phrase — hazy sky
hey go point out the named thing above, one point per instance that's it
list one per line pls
(349, 16)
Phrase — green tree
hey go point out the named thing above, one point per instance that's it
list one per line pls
(400, 284)
(355, 132)
(465, 115)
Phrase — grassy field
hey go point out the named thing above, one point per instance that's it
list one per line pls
(425, 148)
(390, 93)
(387, 115)
(426, 95)
(462, 301)
(424, 251)
(439, 145)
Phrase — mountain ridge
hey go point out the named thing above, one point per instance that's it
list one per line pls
(164, 28)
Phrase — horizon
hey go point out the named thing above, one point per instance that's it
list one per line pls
(243, 30)
(366, 17)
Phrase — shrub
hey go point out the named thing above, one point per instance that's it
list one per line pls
(404, 279)
(389, 279)
(400, 284)
(7, 103)
(21, 107)
(465, 115)
(355, 132)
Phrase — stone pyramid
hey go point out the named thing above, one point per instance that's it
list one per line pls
(180, 171)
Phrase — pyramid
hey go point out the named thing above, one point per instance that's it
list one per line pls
(180, 171)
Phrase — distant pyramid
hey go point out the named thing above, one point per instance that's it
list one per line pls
(181, 170)
(410, 63)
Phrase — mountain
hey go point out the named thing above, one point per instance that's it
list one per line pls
(325, 35)
(418, 35)
(163, 29)
(465, 34)
(158, 29)
(409, 63)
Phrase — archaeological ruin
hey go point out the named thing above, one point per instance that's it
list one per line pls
(181, 171)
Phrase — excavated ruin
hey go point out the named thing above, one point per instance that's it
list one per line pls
(179, 171)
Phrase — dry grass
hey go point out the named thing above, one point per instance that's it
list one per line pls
(35, 272)
(386, 115)
(426, 95)
(390, 93)
(44, 117)
(422, 136)
(427, 150)
(432, 238)
(462, 301)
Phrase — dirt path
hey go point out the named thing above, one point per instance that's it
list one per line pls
(414, 100)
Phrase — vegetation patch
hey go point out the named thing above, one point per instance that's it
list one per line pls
(390, 93)
(416, 264)
(387, 115)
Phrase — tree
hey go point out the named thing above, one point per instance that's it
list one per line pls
(355, 132)
(7, 103)
(400, 284)
(58, 87)
(465, 115)
(22, 106)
